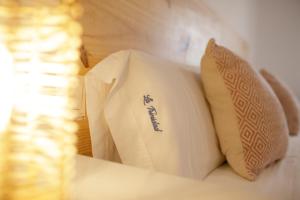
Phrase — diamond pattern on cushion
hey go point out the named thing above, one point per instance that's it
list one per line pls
(259, 115)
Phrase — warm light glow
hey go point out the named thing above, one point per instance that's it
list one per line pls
(39, 57)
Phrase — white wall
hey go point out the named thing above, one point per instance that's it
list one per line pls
(272, 30)
(238, 14)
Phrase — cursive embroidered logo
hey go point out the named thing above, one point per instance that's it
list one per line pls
(152, 113)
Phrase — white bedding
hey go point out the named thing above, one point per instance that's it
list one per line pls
(98, 179)
(281, 181)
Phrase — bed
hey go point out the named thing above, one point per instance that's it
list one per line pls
(176, 30)
(99, 179)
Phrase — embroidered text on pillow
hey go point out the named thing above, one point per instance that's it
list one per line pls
(152, 113)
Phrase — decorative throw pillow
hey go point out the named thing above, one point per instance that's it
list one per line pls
(157, 115)
(287, 99)
(249, 119)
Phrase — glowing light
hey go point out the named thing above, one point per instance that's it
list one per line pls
(39, 57)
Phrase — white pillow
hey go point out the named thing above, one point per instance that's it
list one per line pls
(156, 113)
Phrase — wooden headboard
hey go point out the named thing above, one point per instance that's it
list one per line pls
(173, 29)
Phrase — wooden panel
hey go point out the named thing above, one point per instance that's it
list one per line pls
(174, 29)
(84, 140)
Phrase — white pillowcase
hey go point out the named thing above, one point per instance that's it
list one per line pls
(156, 113)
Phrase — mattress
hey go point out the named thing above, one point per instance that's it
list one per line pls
(99, 179)
(280, 181)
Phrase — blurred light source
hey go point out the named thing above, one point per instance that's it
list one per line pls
(39, 43)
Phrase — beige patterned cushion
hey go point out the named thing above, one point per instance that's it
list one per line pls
(249, 119)
(287, 99)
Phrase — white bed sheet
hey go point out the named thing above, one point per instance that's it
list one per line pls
(280, 181)
(98, 179)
